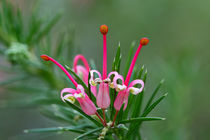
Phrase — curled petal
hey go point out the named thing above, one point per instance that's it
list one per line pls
(133, 89)
(92, 80)
(81, 90)
(116, 78)
(107, 80)
(70, 98)
(120, 87)
(67, 90)
(113, 73)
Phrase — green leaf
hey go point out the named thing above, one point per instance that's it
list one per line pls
(141, 119)
(60, 46)
(149, 109)
(153, 94)
(48, 27)
(138, 104)
(83, 114)
(88, 133)
(117, 59)
(13, 80)
(57, 129)
(35, 25)
(57, 113)
(89, 87)
(135, 126)
(120, 114)
(113, 93)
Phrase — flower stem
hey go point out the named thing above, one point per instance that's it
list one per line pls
(104, 117)
(115, 116)
(102, 121)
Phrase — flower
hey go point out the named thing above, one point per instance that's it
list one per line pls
(103, 80)
(125, 89)
(102, 98)
(83, 71)
(86, 104)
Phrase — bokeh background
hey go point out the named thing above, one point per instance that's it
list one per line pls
(178, 52)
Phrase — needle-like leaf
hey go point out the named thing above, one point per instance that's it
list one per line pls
(57, 129)
(83, 114)
(88, 133)
(141, 119)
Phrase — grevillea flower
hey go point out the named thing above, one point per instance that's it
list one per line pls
(127, 88)
(83, 71)
(103, 99)
(86, 104)
(103, 80)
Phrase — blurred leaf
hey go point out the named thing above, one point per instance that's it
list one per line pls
(60, 45)
(128, 62)
(57, 129)
(13, 80)
(56, 114)
(149, 109)
(47, 27)
(35, 25)
(135, 126)
(83, 114)
(139, 99)
(153, 94)
(141, 119)
(88, 133)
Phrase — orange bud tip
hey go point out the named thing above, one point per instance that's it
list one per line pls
(144, 41)
(45, 57)
(104, 29)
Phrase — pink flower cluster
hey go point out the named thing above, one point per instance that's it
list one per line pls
(104, 82)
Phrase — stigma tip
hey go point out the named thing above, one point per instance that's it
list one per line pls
(45, 57)
(104, 29)
(144, 41)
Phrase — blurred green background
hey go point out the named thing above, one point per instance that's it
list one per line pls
(178, 52)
